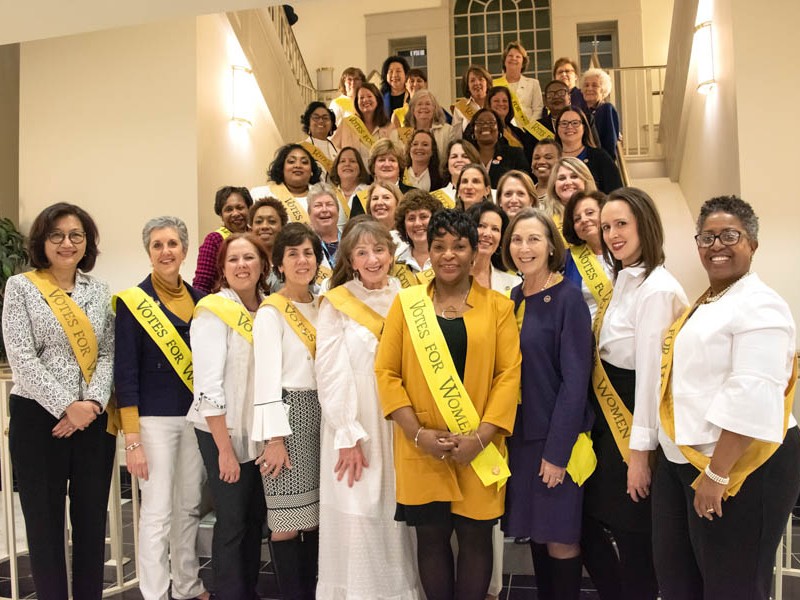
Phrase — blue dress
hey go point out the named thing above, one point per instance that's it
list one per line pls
(556, 344)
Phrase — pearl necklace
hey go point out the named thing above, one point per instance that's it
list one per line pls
(714, 297)
(546, 283)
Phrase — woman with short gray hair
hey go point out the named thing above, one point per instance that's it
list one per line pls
(153, 379)
(603, 117)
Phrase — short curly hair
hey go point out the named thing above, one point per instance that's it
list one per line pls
(305, 118)
(413, 200)
(225, 192)
(734, 206)
(455, 222)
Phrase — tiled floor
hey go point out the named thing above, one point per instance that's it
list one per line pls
(519, 585)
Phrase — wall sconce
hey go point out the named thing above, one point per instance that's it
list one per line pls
(242, 95)
(704, 51)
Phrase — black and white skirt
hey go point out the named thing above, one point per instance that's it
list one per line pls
(293, 497)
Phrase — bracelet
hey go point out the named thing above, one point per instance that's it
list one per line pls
(416, 437)
(275, 441)
(480, 441)
(133, 446)
(714, 477)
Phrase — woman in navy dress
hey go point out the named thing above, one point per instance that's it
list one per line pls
(545, 497)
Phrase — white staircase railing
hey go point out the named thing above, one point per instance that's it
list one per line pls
(638, 94)
(292, 50)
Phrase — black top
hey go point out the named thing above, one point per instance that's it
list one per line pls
(455, 334)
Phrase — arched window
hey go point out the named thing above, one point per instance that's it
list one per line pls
(482, 28)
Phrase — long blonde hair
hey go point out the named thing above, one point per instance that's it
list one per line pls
(552, 204)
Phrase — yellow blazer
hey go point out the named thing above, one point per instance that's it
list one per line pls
(492, 379)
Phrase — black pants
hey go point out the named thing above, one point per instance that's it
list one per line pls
(241, 512)
(47, 469)
(730, 557)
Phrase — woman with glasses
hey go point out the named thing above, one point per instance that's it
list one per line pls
(556, 99)
(58, 330)
(344, 104)
(629, 327)
(565, 69)
(319, 123)
(574, 134)
(485, 132)
(728, 469)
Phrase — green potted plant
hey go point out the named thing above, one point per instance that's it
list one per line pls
(13, 259)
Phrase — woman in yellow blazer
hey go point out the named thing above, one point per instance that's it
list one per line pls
(460, 340)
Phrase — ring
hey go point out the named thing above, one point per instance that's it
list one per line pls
(559, 481)
(442, 456)
(710, 509)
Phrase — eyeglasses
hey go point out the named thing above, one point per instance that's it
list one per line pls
(58, 237)
(319, 118)
(574, 124)
(729, 237)
(485, 125)
(565, 72)
(556, 94)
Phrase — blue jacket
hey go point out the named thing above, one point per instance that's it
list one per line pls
(142, 376)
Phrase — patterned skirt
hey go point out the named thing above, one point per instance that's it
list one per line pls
(293, 497)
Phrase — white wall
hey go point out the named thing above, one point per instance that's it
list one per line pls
(9, 131)
(656, 19)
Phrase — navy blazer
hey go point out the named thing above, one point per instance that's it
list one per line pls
(505, 159)
(142, 376)
(604, 170)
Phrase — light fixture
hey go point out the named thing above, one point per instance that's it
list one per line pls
(703, 46)
(242, 95)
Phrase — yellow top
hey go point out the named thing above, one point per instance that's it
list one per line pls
(492, 379)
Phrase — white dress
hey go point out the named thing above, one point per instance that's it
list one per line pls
(364, 554)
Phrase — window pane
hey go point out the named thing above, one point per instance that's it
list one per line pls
(495, 64)
(509, 5)
(604, 46)
(542, 3)
(461, 66)
(509, 37)
(476, 24)
(461, 7)
(526, 19)
(544, 61)
(493, 43)
(461, 26)
(492, 23)
(462, 46)
(542, 19)
(607, 61)
(477, 44)
(493, 6)
(543, 39)
(526, 39)
(510, 21)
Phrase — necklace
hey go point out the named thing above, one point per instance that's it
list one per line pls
(714, 297)
(546, 283)
(450, 309)
(574, 152)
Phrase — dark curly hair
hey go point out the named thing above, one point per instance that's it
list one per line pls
(275, 171)
(455, 222)
(295, 234)
(413, 200)
(731, 205)
(305, 118)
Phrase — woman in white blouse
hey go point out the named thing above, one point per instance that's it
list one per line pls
(728, 469)
(459, 153)
(411, 223)
(527, 89)
(629, 330)
(422, 158)
(57, 434)
(287, 414)
(222, 413)
(363, 554)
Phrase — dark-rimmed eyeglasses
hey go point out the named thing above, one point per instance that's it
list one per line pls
(729, 237)
(58, 237)
(574, 124)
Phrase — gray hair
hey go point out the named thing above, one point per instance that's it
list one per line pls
(605, 80)
(165, 223)
(731, 205)
(318, 190)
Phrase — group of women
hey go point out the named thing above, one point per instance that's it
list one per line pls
(494, 357)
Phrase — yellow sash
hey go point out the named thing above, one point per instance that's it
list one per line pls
(536, 129)
(297, 321)
(297, 214)
(318, 155)
(407, 277)
(149, 315)
(757, 453)
(230, 312)
(559, 220)
(323, 273)
(345, 205)
(224, 232)
(591, 271)
(511, 138)
(73, 321)
(346, 303)
(616, 414)
(362, 198)
(582, 460)
(404, 134)
(466, 109)
(346, 104)
(442, 197)
(443, 381)
(360, 129)
(400, 115)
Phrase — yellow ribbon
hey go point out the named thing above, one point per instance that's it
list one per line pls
(466, 109)
(442, 197)
(400, 115)
(297, 214)
(323, 273)
(362, 198)
(757, 453)
(446, 387)
(404, 134)
(149, 315)
(346, 303)
(346, 104)
(407, 277)
(224, 232)
(318, 155)
(297, 321)
(343, 202)
(360, 129)
(230, 312)
(616, 414)
(591, 271)
(536, 129)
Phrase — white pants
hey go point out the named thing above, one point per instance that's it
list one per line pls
(496, 584)
(170, 510)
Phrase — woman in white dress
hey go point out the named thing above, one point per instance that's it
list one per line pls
(363, 554)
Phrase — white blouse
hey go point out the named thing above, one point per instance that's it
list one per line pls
(264, 191)
(404, 255)
(640, 312)
(284, 362)
(733, 359)
(587, 293)
(423, 182)
(223, 378)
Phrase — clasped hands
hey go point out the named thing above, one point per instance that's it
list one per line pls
(79, 415)
(462, 448)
